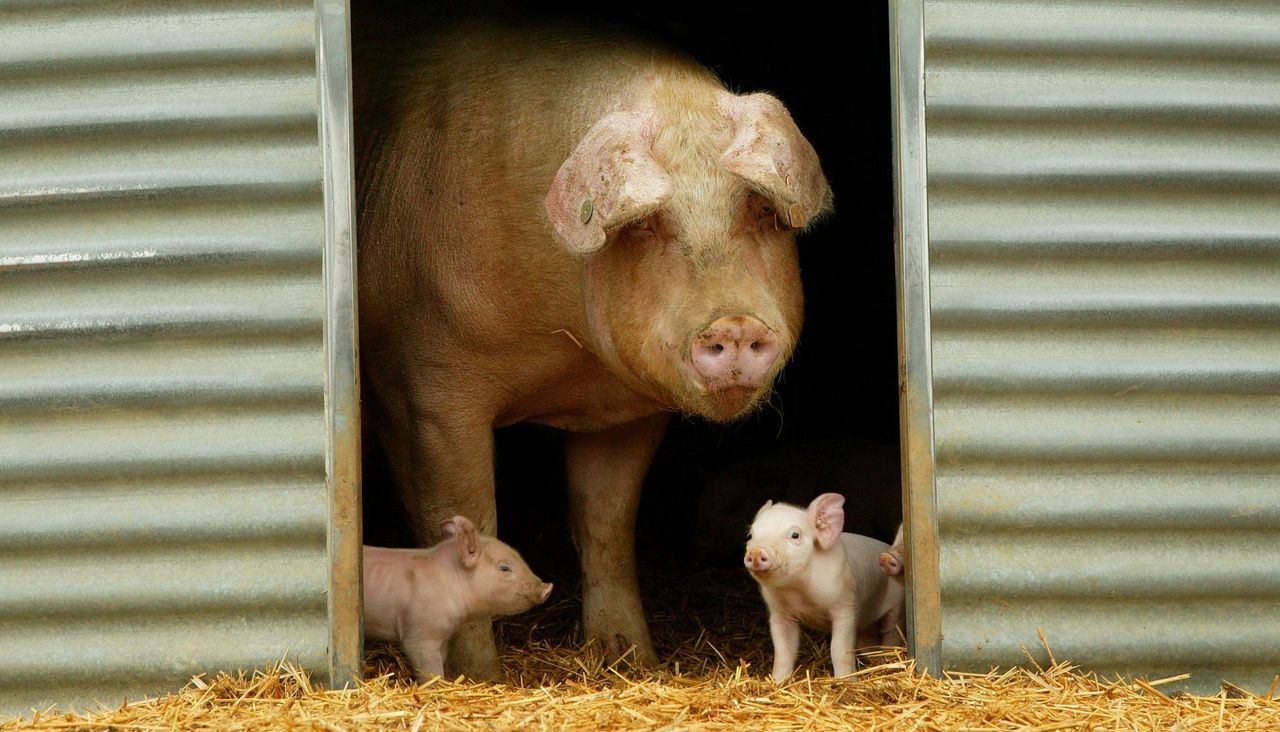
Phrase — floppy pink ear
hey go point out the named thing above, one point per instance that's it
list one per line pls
(827, 513)
(609, 180)
(773, 157)
(467, 536)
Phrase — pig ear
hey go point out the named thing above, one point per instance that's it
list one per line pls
(467, 537)
(608, 181)
(827, 512)
(767, 504)
(773, 157)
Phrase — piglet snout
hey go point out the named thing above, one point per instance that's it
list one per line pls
(757, 560)
(891, 563)
(545, 592)
(735, 351)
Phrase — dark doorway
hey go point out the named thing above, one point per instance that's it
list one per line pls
(833, 422)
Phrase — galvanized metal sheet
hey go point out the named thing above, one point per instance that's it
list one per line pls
(1104, 301)
(173, 354)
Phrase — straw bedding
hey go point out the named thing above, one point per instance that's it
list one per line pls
(710, 625)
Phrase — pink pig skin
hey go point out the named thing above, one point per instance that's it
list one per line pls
(811, 573)
(420, 597)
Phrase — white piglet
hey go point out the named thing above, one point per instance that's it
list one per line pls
(420, 597)
(811, 573)
(891, 562)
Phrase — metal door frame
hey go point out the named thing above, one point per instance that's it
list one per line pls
(342, 375)
(915, 367)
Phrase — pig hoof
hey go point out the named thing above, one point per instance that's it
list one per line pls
(618, 649)
(619, 632)
(640, 655)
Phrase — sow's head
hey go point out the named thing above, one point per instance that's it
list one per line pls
(685, 208)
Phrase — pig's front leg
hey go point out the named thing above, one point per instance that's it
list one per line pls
(844, 628)
(447, 471)
(786, 645)
(606, 470)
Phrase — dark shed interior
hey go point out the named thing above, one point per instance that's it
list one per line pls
(832, 424)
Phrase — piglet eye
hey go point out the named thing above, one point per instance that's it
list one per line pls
(766, 210)
(795, 535)
(504, 567)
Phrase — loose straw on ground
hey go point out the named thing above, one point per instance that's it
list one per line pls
(715, 679)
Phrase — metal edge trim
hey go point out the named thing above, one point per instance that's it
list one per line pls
(341, 345)
(915, 369)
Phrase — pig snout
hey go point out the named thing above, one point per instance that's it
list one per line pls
(735, 351)
(757, 560)
(543, 592)
(891, 563)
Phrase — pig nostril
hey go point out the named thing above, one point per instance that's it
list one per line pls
(734, 352)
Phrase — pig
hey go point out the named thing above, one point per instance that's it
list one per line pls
(891, 561)
(811, 573)
(420, 597)
(894, 567)
(574, 228)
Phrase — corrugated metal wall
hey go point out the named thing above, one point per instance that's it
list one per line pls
(1104, 285)
(164, 505)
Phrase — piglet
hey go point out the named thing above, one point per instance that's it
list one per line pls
(420, 597)
(895, 567)
(891, 562)
(809, 572)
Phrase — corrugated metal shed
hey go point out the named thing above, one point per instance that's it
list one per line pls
(1100, 271)
(177, 397)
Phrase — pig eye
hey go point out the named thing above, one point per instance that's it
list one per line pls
(505, 567)
(767, 218)
(795, 535)
(642, 229)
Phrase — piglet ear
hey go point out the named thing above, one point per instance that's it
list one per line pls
(773, 157)
(610, 180)
(767, 504)
(827, 513)
(468, 539)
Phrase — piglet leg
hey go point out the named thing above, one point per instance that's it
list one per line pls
(786, 645)
(843, 630)
(605, 471)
